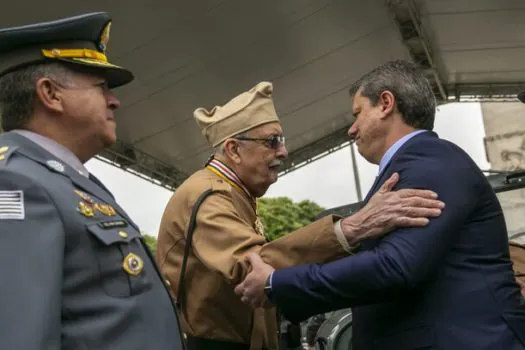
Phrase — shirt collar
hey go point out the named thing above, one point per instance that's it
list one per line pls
(56, 149)
(394, 148)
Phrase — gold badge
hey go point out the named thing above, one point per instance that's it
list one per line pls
(259, 227)
(86, 209)
(104, 37)
(105, 209)
(84, 196)
(132, 264)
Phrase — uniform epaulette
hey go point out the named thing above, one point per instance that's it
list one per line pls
(6, 151)
(220, 185)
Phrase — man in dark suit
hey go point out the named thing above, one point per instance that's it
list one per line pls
(75, 272)
(447, 286)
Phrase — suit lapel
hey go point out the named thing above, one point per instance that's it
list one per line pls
(381, 178)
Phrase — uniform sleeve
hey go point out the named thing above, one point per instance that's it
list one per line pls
(222, 238)
(31, 254)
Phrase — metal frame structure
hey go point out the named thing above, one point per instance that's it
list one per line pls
(407, 17)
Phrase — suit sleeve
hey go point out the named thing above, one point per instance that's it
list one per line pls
(31, 255)
(222, 239)
(400, 262)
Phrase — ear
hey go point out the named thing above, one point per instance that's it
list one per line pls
(387, 101)
(231, 151)
(49, 95)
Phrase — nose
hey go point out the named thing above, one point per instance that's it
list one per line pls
(113, 101)
(282, 152)
(352, 131)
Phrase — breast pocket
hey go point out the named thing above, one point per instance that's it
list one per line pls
(122, 261)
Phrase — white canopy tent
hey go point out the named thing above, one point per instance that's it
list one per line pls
(200, 53)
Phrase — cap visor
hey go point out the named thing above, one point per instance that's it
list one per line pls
(116, 76)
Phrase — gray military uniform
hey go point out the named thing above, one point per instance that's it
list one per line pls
(75, 273)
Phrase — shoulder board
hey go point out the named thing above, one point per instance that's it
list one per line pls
(6, 151)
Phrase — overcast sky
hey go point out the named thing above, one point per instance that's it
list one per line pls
(328, 181)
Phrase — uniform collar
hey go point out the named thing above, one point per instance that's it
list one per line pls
(62, 153)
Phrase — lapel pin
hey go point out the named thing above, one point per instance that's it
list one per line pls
(56, 165)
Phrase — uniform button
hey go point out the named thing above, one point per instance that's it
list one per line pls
(123, 234)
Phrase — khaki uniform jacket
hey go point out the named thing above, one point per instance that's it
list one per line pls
(225, 232)
(517, 255)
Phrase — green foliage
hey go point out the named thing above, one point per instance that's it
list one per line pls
(280, 215)
(151, 242)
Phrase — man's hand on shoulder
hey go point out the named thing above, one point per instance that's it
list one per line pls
(252, 289)
(389, 209)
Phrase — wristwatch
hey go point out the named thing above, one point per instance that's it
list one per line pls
(268, 288)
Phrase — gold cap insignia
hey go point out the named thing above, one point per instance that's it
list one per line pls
(104, 37)
(105, 209)
(86, 209)
(133, 264)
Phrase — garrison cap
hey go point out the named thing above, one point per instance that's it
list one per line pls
(521, 96)
(80, 40)
(242, 113)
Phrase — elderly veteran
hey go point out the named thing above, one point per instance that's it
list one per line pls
(75, 273)
(249, 147)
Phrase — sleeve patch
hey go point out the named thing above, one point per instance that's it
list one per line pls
(12, 205)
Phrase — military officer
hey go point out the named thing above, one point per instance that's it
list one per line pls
(249, 143)
(75, 272)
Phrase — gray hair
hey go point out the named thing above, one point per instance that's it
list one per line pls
(18, 91)
(219, 149)
(414, 97)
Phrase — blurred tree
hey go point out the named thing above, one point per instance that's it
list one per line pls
(280, 215)
(151, 242)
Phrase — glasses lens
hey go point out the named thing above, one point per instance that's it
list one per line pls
(276, 141)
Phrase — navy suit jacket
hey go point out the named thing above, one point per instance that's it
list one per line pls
(446, 286)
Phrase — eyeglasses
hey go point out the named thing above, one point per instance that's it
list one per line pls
(274, 141)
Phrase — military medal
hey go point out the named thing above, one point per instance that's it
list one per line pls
(259, 227)
(86, 209)
(84, 196)
(105, 209)
(133, 264)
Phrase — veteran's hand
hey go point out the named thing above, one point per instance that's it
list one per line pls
(389, 209)
(522, 286)
(251, 290)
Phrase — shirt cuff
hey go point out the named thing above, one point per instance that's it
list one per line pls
(341, 237)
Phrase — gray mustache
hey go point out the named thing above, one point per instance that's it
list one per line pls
(275, 163)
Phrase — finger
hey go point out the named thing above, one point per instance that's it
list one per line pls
(411, 222)
(421, 203)
(390, 183)
(423, 213)
(254, 259)
(239, 290)
(410, 192)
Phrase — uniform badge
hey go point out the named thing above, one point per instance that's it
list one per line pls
(86, 209)
(12, 205)
(56, 165)
(105, 209)
(133, 264)
(259, 227)
(84, 196)
(104, 37)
